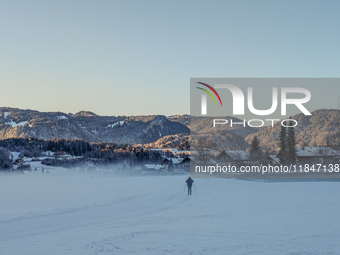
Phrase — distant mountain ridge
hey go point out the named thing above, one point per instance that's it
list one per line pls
(87, 126)
(320, 129)
(221, 137)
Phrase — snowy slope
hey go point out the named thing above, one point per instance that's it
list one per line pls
(92, 214)
(86, 126)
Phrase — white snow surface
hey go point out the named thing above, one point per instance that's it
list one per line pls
(62, 118)
(315, 151)
(112, 125)
(6, 114)
(95, 214)
(14, 124)
(116, 123)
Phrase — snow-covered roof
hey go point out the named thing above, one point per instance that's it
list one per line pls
(315, 151)
(214, 152)
(175, 160)
(153, 166)
(15, 155)
(275, 158)
(194, 159)
(237, 155)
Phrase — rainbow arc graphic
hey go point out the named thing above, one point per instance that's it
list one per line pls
(209, 93)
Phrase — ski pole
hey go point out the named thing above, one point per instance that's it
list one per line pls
(183, 189)
(195, 188)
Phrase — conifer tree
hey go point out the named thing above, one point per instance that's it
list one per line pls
(282, 155)
(255, 149)
(291, 142)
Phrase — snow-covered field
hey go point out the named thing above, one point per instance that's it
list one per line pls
(94, 214)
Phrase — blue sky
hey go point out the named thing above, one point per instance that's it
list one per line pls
(137, 57)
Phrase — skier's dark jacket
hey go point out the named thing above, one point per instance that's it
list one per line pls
(189, 182)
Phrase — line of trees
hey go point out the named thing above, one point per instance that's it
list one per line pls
(287, 142)
(33, 147)
(287, 153)
(102, 152)
(5, 159)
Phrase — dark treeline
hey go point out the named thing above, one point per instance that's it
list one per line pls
(32, 147)
(101, 152)
(105, 156)
(5, 159)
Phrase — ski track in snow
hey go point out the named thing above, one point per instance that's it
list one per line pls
(154, 215)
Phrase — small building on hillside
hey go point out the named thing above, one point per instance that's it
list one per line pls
(20, 160)
(322, 155)
(60, 154)
(239, 157)
(156, 168)
(185, 164)
(273, 160)
(168, 164)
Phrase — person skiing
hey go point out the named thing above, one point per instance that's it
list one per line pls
(189, 182)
